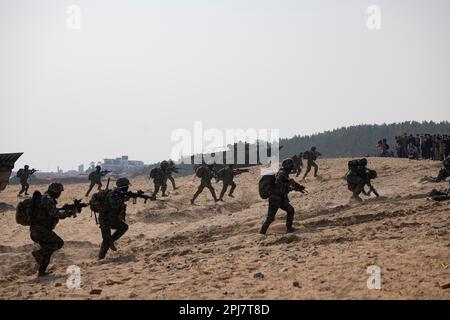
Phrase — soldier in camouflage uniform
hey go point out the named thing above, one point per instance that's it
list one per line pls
(206, 173)
(358, 177)
(171, 169)
(160, 179)
(298, 163)
(279, 199)
(44, 220)
(226, 174)
(444, 173)
(24, 174)
(112, 216)
(312, 157)
(96, 179)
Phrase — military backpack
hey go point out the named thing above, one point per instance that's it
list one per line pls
(98, 201)
(26, 209)
(266, 185)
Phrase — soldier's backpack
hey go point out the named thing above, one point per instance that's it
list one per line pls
(155, 172)
(91, 175)
(98, 201)
(306, 154)
(26, 208)
(266, 185)
(19, 173)
(201, 171)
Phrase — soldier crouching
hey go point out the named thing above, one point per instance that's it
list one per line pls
(112, 216)
(44, 220)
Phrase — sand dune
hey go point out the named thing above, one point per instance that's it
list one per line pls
(177, 251)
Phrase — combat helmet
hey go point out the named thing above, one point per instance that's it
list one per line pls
(56, 187)
(287, 164)
(123, 182)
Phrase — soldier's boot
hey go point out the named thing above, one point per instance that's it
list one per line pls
(356, 197)
(192, 201)
(290, 221)
(233, 187)
(43, 265)
(316, 168)
(112, 246)
(264, 227)
(164, 189)
(103, 250)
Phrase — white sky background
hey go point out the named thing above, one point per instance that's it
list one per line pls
(137, 70)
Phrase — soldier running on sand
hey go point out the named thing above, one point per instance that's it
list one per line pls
(44, 219)
(205, 173)
(279, 199)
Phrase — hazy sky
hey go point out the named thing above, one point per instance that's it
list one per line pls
(138, 70)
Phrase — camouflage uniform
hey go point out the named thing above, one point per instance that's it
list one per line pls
(227, 175)
(356, 181)
(160, 182)
(312, 157)
(26, 173)
(96, 179)
(298, 163)
(112, 216)
(45, 219)
(207, 175)
(279, 199)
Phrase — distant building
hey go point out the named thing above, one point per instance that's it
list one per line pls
(81, 168)
(122, 164)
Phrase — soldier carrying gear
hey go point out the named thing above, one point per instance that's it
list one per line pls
(278, 198)
(159, 176)
(43, 220)
(358, 177)
(226, 174)
(206, 173)
(95, 177)
(112, 216)
(311, 156)
(298, 163)
(24, 174)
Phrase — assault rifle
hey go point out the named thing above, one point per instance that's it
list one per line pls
(104, 172)
(76, 206)
(239, 171)
(372, 189)
(295, 186)
(135, 195)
